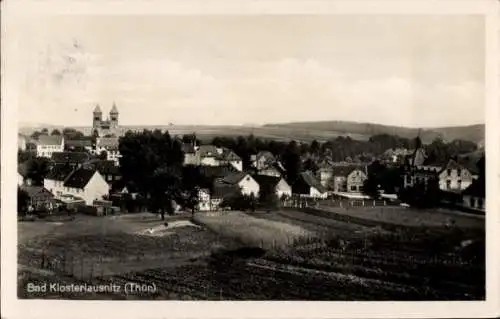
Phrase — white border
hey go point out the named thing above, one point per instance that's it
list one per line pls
(12, 308)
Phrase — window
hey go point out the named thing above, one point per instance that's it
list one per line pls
(448, 184)
(449, 172)
(459, 182)
(353, 188)
(480, 203)
(459, 172)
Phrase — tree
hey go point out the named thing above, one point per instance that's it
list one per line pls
(22, 202)
(103, 155)
(37, 169)
(268, 197)
(45, 131)
(292, 162)
(55, 132)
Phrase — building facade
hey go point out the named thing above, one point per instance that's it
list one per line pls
(46, 145)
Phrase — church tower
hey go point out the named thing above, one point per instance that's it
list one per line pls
(96, 122)
(113, 114)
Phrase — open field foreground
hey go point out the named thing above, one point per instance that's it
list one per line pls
(282, 255)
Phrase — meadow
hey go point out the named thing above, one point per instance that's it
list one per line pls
(289, 254)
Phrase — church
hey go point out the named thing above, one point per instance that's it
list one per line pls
(108, 127)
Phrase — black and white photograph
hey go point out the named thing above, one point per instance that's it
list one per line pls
(250, 157)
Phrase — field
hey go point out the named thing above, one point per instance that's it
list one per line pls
(282, 255)
(308, 131)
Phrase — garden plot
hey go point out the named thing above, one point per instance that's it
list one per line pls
(253, 231)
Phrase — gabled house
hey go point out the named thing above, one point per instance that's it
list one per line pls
(84, 182)
(227, 156)
(348, 178)
(454, 177)
(48, 144)
(280, 186)
(39, 197)
(309, 186)
(209, 155)
(263, 160)
(242, 181)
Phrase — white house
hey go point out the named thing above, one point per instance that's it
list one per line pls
(278, 184)
(243, 181)
(227, 156)
(204, 200)
(454, 177)
(48, 144)
(263, 160)
(84, 182)
(307, 185)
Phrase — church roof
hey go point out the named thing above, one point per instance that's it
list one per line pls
(114, 109)
(97, 109)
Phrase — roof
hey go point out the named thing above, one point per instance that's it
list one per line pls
(209, 174)
(50, 140)
(224, 190)
(265, 180)
(80, 177)
(229, 155)
(234, 178)
(114, 110)
(188, 148)
(97, 109)
(345, 170)
(59, 172)
(477, 188)
(310, 180)
(265, 154)
(418, 157)
(70, 157)
(107, 167)
(208, 151)
(35, 190)
(108, 142)
(78, 143)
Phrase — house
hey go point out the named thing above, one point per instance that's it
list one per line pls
(209, 155)
(54, 181)
(454, 177)
(242, 181)
(308, 185)
(204, 200)
(109, 171)
(348, 178)
(395, 155)
(73, 159)
(110, 145)
(227, 156)
(263, 160)
(191, 154)
(474, 196)
(39, 197)
(48, 144)
(278, 184)
(82, 145)
(84, 182)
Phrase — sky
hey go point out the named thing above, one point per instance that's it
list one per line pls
(254, 69)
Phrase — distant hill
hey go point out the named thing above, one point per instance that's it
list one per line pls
(306, 131)
(474, 133)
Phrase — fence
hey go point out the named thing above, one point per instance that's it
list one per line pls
(341, 203)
